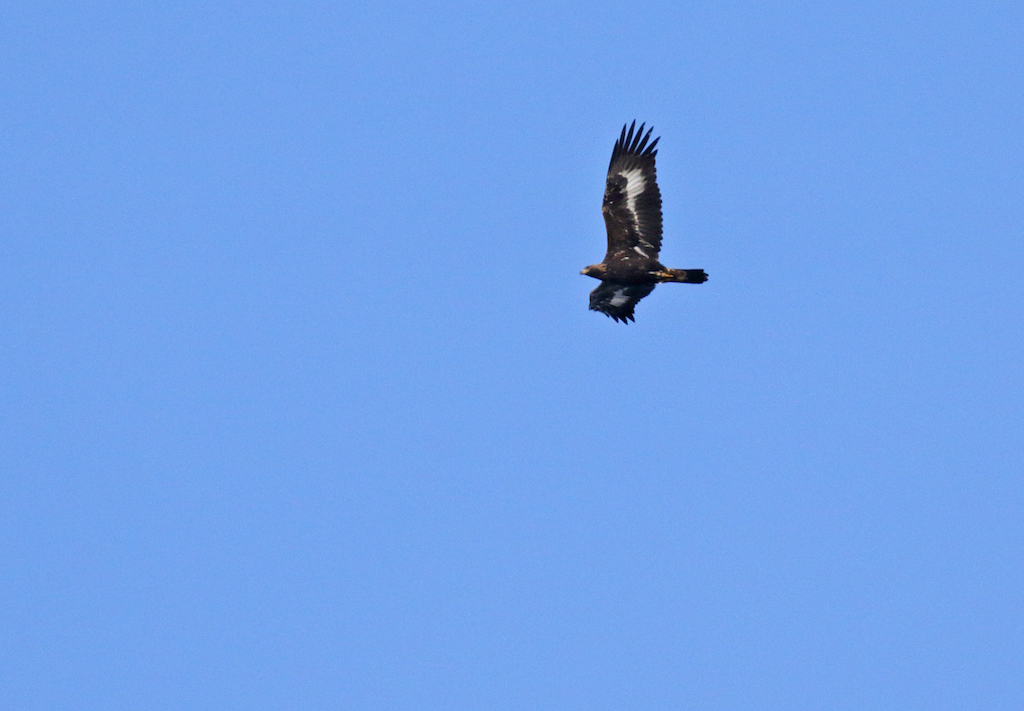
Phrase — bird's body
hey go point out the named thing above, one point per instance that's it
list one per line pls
(632, 216)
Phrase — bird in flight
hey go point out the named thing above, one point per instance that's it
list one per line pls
(632, 214)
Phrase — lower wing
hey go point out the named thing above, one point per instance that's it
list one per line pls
(618, 300)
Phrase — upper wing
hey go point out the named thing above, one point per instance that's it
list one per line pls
(632, 201)
(618, 300)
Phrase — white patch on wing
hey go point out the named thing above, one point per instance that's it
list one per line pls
(635, 185)
(619, 297)
(641, 252)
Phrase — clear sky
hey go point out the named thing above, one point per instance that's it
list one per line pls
(301, 405)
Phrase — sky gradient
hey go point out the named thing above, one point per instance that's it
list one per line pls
(301, 405)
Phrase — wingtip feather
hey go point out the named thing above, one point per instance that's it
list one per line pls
(634, 141)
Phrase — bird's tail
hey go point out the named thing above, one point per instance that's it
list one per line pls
(687, 276)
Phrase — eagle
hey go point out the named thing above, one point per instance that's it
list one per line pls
(632, 215)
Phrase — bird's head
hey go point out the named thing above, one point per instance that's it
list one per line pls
(594, 270)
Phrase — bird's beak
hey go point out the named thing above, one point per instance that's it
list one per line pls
(583, 272)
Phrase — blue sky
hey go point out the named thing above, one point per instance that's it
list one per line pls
(303, 408)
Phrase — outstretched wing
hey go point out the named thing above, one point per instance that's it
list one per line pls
(618, 300)
(632, 201)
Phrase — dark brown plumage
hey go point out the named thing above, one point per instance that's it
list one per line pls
(632, 215)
